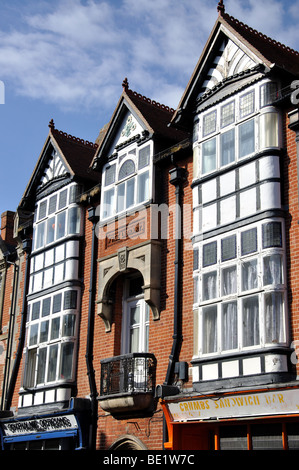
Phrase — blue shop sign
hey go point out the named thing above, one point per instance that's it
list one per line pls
(42, 428)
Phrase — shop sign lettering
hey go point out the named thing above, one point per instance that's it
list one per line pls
(55, 423)
(234, 406)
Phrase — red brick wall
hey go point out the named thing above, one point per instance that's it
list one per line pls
(17, 318)
(290, 201)
(149, 429)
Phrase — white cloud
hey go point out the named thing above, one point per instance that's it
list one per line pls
(77, 53)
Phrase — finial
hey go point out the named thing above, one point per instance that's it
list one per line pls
(51, 125)
(221, 8)
(125, 84)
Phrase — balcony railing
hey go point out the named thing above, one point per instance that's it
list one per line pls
(133, 372)
(128, 382)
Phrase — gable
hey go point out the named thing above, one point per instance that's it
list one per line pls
(127, 128)
(226, 57)
(135, 118)
(230, 60)
(54, 169)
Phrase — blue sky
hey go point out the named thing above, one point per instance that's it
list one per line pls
(66, 60)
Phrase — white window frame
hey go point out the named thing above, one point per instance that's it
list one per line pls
(72, 226)
(261, 290)
(109, 205)
(215, 137)
(54, 265)
(66, 334)
(142, 325)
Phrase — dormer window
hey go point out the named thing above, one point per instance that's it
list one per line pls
(56, 216)
(126, 181)
(237, 128)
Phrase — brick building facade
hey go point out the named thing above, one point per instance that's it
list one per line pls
(148, 295)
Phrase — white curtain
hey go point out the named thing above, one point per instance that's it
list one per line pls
(229, 326)
(249, 275)
(209, 341)
(272, 270)
(229, 280)
(209, 285)
(274, 324)
(251, 330)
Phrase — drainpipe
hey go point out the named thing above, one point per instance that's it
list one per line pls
(15, 371)
(2, 296)
(177, 178)
(10, 326)
(92, 217)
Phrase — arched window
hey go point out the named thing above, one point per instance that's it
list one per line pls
(126, 182)
(127, 169)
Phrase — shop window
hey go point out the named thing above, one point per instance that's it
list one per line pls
(266, 437)
(44, 444)
(262, 436)
(233, 438)
(292, 430)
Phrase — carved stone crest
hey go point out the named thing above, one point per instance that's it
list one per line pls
(122, 259)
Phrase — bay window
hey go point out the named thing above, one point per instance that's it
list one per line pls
(227, 147)
(250, 321)
(239, 289)
(229, 325)
(209, 343)
(126, 181)
(209, 156)
(246, 138)
(54, 265)
(57, 217)
(51, 338)
(236, 129)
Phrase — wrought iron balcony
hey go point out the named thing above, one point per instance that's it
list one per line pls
(128, 383)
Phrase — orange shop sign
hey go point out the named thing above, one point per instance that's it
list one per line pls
(235, 406)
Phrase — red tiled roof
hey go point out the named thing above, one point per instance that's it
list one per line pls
(269, 51)
(77, 152)
(272, 50)
(157, 115)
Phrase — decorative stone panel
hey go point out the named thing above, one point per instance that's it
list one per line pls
(144, 258)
